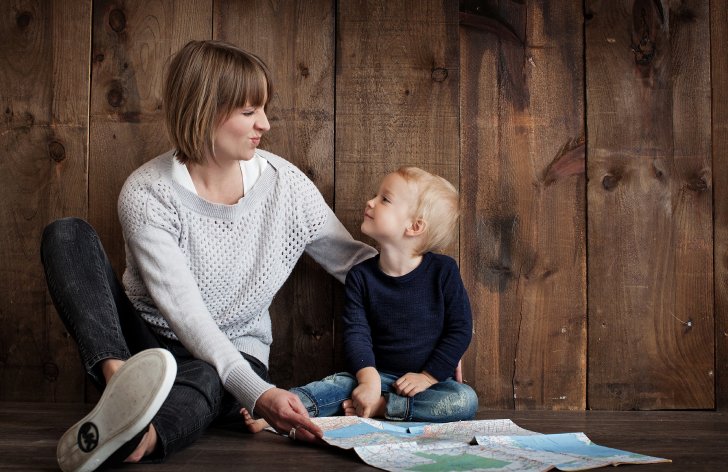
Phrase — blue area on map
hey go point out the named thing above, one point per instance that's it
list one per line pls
(568, 443)
(400, 430)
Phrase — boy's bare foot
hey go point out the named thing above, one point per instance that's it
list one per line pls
(377, 412)
(253, 425)
(348, 407)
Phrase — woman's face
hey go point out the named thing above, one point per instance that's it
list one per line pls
(238, 136)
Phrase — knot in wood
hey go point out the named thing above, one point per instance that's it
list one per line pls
(439, 74)
(23, 19)
(117, 20)
(115, 96)
(609, 181)
(56, 151)
(99, 58)
(304, 70)
(698, 184)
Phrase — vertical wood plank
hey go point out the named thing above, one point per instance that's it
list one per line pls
(651, 337)
(44, 80)
(132, 43)
(719, 77)
(296, 40)
(397, 75)
(396, 97)
(523, 230)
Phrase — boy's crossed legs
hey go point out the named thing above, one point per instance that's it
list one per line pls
(443, 402)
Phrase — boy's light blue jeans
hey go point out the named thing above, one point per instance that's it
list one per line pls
(443, 402)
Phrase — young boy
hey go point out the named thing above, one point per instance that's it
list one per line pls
(407, 319)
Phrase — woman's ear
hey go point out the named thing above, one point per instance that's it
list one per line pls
(416, 228)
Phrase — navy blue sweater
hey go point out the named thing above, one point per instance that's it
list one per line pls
(419, 321)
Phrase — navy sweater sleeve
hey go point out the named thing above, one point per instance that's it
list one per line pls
(358, 351)
(458, 328)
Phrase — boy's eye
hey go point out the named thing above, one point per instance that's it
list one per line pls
(385, 200)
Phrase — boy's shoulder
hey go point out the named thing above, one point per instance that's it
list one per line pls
(441, 260)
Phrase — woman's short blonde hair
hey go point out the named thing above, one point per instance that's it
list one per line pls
(205, 82)
(437, 204)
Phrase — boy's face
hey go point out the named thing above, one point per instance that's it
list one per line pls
(389, 213)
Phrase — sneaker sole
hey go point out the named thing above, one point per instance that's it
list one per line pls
(128, 404)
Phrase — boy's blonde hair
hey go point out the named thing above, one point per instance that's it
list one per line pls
(205, 82)
(437, 205)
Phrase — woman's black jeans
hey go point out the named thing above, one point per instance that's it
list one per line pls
(103, 322)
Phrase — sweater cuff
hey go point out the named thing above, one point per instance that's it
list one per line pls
(246, 386)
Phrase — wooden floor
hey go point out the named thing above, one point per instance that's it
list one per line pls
(695, 440)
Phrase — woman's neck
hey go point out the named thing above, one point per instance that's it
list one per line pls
(397, 263)
(218, 182)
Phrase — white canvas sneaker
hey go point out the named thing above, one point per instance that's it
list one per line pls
(129, 402)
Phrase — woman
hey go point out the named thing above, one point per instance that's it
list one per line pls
(212, 230)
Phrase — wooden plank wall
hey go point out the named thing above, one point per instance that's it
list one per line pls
(719, 75)
(522, 234)
(587, 140)
(650, 206)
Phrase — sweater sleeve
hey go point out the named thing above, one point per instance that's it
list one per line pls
(335, 250)
(358, 348)
(153, 245)
(458, 329)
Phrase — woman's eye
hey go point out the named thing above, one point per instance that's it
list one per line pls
(248, 113)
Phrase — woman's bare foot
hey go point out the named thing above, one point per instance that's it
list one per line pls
(146, 445)
(378, 412)
(253, 425)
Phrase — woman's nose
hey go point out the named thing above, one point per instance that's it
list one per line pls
(262, 122)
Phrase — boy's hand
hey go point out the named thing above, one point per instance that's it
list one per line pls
(366, 397)
(411, 383)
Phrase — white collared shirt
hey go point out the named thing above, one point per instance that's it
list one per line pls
(251, 171)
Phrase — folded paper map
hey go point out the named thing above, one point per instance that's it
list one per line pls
(490, 445)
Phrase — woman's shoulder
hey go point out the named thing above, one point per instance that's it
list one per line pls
(155, 170)
(282, 166)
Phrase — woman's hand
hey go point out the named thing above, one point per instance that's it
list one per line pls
(412, 383)
(285, 412)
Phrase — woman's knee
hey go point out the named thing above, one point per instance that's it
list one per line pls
(198, 381)
(66, 230)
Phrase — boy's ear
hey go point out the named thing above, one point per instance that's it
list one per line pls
(416, 228)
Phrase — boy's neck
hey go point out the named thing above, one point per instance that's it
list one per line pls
(397, 263)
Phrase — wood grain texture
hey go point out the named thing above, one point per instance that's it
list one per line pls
(44, 80)
(719, 77)
(523, 226)
(296, 40)
(651, 337)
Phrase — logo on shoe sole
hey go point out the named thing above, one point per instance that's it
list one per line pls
(88, 437)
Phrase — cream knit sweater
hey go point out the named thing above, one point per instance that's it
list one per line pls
(206, 273)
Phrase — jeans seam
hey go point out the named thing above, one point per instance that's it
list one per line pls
(314, 403)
